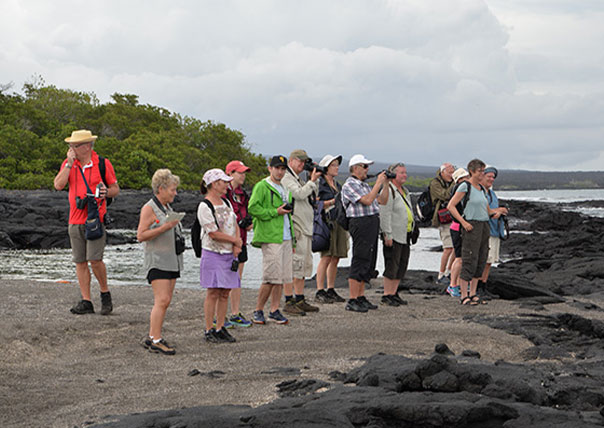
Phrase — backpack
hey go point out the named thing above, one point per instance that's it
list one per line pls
(321, 233)
(423, 207)
(196, 228)
(339, 211)
(103, 171)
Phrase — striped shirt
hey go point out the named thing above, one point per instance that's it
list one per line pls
(352, 191)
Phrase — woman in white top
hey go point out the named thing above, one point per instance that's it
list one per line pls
(221, 245)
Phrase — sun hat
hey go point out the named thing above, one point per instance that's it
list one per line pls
(357, 159)
(236, 165)
(459, 173)
(327, 159)
(492, 169)
(299, 154)
(215, 174)
(278, 160)
(81, 136)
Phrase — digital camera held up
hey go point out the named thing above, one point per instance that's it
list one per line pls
(309, 166)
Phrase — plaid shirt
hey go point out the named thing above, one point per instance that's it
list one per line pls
(353, 190)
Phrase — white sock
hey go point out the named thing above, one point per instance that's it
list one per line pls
(440, 275)
(156, 341)
(447, 272)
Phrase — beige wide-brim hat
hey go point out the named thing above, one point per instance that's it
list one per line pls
(81, 136)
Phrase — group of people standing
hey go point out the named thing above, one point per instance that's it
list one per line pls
(281, 211)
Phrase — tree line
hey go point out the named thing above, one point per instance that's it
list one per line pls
(137, 138)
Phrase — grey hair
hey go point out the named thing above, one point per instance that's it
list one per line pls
(394, 166)
(163, 178)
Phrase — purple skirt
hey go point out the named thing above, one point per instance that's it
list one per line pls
(215, 271)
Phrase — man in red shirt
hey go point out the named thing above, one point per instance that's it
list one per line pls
(83, 160)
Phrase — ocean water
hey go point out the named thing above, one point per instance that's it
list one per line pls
(124, 262)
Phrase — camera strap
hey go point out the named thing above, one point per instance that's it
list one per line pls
(163, 210)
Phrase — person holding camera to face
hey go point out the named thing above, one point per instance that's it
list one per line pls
(362, 210)
(239, 200)
(82, 170)
(164, 245)
(304, 195)
(271, 206)
(221, 245)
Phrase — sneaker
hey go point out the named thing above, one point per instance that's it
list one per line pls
(161, 346)
(366, 303)
(292, 309)
(224, 336)
(146, 342)
(239, 320)
(278, 317)
(355, 306)
(227, 323)
(454, 291)
(106, 305)
(398, 299)
(258, 317)
(210, 336)
(306, 307)
(322, 297)
(444, 281)
(388, 300)
(331, 292)
(83, 307)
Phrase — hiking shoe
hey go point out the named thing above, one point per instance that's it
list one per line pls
(146, 342)
(355, 306)
(278, 317)
(366, 303)
(83, 307)
(444, 281)
(306, 307)
(224, 336)
(454, 291)
(292, 309)
(106, 305)
(331, 292)
(239, 320)
(258, 317)
(210, 336)
(398, 299)
(388, 300)
(227, 323)
(161, 346)
(322, 297)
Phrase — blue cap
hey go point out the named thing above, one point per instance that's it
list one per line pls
(492, 169)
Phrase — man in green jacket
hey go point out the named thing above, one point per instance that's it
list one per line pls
(270, 206)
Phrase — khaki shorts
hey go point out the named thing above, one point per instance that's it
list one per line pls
(445, 235)
(494, 244)
(302, 258)
(277, 263)
(83, 250)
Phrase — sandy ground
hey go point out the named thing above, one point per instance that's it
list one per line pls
(60, 370)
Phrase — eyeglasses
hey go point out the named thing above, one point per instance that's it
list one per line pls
(77, 146)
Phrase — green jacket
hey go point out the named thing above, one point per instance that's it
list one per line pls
(268, 225)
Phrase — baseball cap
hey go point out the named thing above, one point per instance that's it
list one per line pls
(215, 174)
(278, 160)
(358, 159)
(492, 169)
(299, 154)
(236, 165)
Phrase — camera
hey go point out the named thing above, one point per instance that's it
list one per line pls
(245, 222)
(81, 203)
(389, 174)
(289, 206)
(309, 165)
(235, 265)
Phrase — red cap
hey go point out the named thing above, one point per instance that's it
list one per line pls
(236, 166)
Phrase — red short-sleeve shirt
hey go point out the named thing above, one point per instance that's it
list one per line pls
(78, 188)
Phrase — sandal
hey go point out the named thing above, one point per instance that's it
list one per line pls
(477, 300)
(465, 301)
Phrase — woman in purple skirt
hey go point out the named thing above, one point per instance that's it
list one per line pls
(221, 245)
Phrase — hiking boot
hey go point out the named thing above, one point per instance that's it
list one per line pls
(210, 336)
(331, 292)
(366, 303)
(322, 297)
(355, 306)
(239, 320)
(278, 317)
(258, 317)
(398, 299)
(224, 336)
(83, 307)
(146, 342)
(388, 300)
(161, 346)
(292, 309)
(106, 305)
(306, 307)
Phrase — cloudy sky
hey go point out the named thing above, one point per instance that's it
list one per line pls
(518, 83)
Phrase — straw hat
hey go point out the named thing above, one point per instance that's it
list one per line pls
(81, 136)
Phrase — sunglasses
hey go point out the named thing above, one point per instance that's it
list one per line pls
(364, 166)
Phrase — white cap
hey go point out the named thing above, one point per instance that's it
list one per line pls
(327, 159)
(358, 159)
(215, 174)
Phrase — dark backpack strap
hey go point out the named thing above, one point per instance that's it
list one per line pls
(84, 178)
(212, 210)
(102, 169)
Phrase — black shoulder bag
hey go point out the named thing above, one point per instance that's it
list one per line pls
(94, 226)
